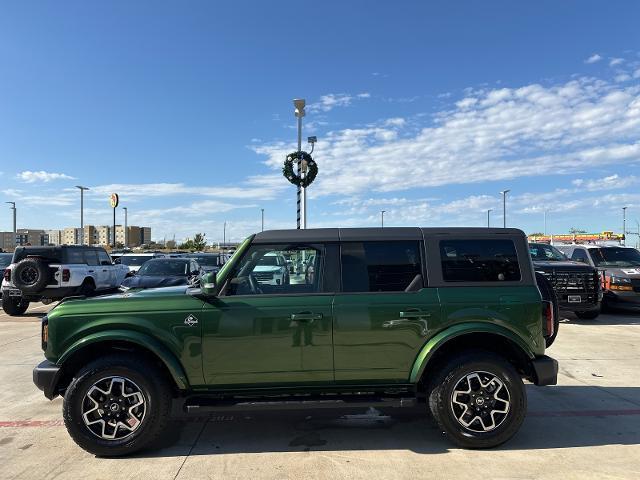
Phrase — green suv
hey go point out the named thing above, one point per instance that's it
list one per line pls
(385, 317)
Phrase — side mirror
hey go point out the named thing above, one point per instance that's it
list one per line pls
(208, 284)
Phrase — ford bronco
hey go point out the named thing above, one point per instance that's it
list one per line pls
(446, 317)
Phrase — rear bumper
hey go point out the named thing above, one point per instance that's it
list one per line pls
(545, 370)
(46, 377)
(51, 293)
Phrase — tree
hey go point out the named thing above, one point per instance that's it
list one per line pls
(198, 243)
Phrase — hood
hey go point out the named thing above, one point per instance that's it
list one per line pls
(622, 272)
(151, 281)
(267, 268)
(154, 299)
(565, 266)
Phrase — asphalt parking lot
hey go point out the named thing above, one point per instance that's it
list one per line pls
(588, 426)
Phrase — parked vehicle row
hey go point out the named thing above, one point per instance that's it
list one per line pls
(448, 318)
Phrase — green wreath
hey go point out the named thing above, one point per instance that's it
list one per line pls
(289, 174)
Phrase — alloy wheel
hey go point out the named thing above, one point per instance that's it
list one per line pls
(480, 401)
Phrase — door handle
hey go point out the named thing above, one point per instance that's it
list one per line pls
(91, 271)
(305, 317)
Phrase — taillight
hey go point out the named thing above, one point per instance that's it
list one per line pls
(7, 275)
(547, 313)
(66, 275)
(45, 332)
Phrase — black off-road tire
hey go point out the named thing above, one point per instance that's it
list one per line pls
(87, 289)
(155, 388)
(14, 306)
(440, 391)
(36, 266)
(590, 315)
(548, 294)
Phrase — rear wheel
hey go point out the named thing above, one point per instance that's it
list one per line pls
(14, 305)
(478, 399)
(590, 315)
(87, 289)
(117, 405)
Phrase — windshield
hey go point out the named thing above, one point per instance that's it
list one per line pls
(268, 261)
(134, 260)
(207, 260)
(542, 251)
(165, 268)
(615, 257)
(5, 259)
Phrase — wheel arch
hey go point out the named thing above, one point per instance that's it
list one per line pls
(99, 344)
(472, 336)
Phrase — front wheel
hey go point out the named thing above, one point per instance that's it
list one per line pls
(117, 405)
(478, 399)
(14, 305)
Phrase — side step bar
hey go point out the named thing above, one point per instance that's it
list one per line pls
(204, 404)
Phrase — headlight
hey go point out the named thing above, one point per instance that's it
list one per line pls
(620, 284)
(620, 280)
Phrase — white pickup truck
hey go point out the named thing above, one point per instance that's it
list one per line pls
(45, 274)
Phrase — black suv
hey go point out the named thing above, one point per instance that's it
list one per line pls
(577, 286)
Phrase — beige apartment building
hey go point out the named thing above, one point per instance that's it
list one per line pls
(7, 241)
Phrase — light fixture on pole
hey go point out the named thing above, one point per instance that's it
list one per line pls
(126, 235)
(82, 189)
(13, 207)
(262, 214)
(489, 217)
(299, 104)
(504, 207)
(624, 225)
(382, 218)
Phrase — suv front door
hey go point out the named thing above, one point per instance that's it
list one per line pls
(269, 326)
(384, 312)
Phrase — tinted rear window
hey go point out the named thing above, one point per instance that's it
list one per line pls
(379, 266)
(53, 254)
(479, 261)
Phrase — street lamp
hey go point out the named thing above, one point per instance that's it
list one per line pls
(262, 214)
(299, 104)
(82, 189)
(13, 207)
(126, 243)
(382, 218)
(504, 207)
(489, 217)
(545, 222)
(624, 225)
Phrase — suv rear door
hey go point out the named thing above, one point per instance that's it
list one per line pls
(384, 310)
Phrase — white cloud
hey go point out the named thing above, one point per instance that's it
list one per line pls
(491, 135)
(41, 176)
(333, 100)
(636, 74)
(606, 183)
(615, 61)
(395, 122)
(623, 77)
(593, 58)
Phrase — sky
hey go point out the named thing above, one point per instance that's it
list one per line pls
(426, 110)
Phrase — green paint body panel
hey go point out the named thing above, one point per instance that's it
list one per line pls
(257, 341)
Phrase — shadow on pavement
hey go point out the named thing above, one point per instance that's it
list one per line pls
(614, 318)
(559, 417)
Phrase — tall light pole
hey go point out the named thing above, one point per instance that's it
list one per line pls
(126, 243)
(82, 189)
(489, 217)
(300, 103)
(13, 207)
(545, 222)
(224, 235)
(504, 207)
(262, 219)
(382, 218)
(624, 225)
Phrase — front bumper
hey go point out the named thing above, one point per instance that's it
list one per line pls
(46, 377)
(545, 370)
(622, 300)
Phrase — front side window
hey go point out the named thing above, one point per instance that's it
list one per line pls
(381, 266)
(544, 252)
(277, 270)
(479, 261)
(103, 257)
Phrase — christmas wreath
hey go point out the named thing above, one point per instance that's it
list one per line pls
(308, 163)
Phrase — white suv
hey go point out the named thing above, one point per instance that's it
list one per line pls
(272, 270)
(45, 274)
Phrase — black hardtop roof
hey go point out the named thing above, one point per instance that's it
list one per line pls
(376, 233)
